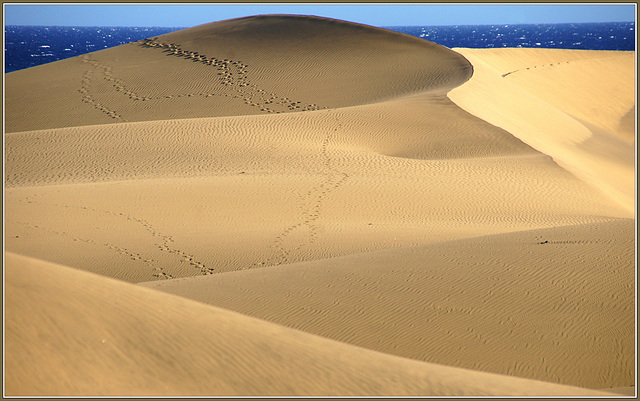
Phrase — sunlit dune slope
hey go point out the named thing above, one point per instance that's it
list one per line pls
(576, 106)
(70, 332)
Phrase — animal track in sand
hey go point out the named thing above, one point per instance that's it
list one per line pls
(164, 244)
(311, 205)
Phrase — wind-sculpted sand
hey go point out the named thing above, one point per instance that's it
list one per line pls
(375, 237)
(578, 107)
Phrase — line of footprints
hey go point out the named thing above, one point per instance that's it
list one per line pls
(535, 66)
(86, 95)
(311, 203)
(166, 244)
(233, 74)
(119, 86)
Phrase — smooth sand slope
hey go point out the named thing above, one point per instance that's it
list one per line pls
(77, 333)
(319, 165)
(576, 106)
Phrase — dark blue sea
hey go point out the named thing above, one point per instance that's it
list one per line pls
(28, 46)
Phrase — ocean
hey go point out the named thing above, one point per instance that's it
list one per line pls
(28, 46)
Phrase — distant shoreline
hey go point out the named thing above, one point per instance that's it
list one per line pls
(23, 43)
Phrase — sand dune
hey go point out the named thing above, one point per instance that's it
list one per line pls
(234, 67)
(78, 333)
(346, 181)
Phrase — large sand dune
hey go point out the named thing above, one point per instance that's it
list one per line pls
(318, 174)
(235, 67)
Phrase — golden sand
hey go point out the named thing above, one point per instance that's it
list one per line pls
(355, 211)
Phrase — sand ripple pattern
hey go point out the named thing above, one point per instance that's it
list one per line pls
(554, 304)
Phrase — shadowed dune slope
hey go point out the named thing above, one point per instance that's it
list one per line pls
(253, 65)
(70, 332)
(554, 304)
